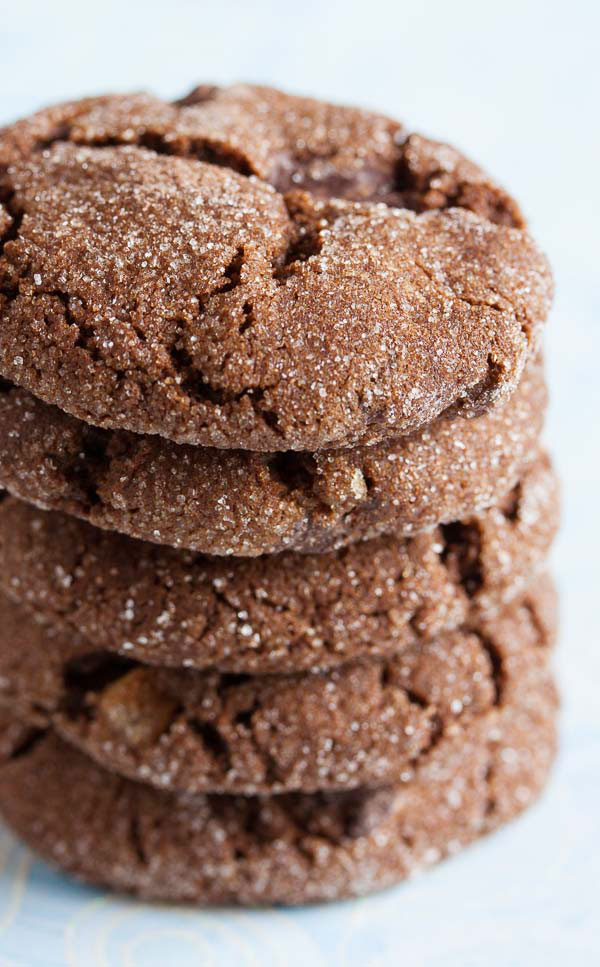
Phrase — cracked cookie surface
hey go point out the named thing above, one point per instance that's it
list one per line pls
(272, 614)
(293, 848)
(364, 724)
(256, 270)
(245, 504)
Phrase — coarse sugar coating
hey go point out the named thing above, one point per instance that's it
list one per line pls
(363, 724)
(281, 613)
(293, 848)
(250, 269)
(245, 504)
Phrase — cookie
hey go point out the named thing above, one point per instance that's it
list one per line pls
(364, 724)
(244, 504)
(294, 848)
(156, 275)
(281, 613)
(290, 142)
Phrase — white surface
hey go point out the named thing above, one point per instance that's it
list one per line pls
(516, 86)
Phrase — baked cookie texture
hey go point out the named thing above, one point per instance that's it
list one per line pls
(365, 724)
(244, 504)
(283, 613)
(275, 625)
(246, 269)
(293, 848)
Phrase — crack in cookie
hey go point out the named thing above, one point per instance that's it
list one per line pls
(259, 271)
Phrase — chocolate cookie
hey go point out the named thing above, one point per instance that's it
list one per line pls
(156, 274)
(364, 724)
(236, 502)
(275, 613)
(292, 848)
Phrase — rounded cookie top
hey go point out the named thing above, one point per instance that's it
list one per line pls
(238, 503)
(250, 269)
(288, 612)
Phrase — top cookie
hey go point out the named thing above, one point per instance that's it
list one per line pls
(249, 269)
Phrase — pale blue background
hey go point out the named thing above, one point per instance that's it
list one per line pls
(515, 84)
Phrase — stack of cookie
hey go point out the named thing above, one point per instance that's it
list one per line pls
(274, 620)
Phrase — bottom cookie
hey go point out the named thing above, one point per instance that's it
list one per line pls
(290, 849)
